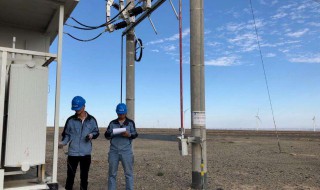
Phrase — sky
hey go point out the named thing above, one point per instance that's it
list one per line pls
(235, 84)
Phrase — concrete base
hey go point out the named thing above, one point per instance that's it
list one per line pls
(198, 182)
(27, 181)
(24, 185)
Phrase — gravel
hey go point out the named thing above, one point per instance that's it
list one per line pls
(235, 160)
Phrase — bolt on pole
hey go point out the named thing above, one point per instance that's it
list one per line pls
(198, 126)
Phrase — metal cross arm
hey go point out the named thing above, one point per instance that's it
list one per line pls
(143, 16)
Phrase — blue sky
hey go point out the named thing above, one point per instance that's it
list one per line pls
(235, 84)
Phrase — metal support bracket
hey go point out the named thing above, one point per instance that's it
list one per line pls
(195, 140)
(154, 28)
(174, 10)
(143, 16)
(146, 4)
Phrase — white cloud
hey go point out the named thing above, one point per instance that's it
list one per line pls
(233, 27)
(169, 48)
(287, 6)
(314, 24)
(171, 38)
(206, 32)
(306, 59)
(302, 6)
(297, 16)
(298, 33)
(262, 2)
(284, 50)
(247, 42)
(279, 15)
(270, 55)
(279, 44)
(274, 2)
(240, 27)
(156, 42)
(155, 50)
(213, 44)
(222, 61)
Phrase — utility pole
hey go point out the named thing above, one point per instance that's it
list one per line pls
(198, 125)
(130, 69)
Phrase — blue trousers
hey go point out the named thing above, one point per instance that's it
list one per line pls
(127, 164)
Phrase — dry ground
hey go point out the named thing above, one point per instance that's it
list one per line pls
(236, 160)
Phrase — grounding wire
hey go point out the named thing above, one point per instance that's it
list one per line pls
(265, 76)
(121, 77)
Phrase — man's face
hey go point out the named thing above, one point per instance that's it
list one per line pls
(80, 111)
(121, 116)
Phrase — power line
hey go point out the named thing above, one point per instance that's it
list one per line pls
(84, 40)
(265, 75)
(93, 27)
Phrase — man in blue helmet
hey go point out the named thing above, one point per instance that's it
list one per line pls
(121, 147)
(79, 130)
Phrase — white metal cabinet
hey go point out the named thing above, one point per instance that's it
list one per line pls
(27, 115)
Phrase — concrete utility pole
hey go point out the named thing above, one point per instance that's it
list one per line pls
(198, 125)
(130, 69)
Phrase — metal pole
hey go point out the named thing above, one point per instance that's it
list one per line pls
(198, 126)
(130, 70)
(181, 76)
(2, 97)
(57, 97)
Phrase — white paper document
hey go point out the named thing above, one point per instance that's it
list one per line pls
(118, 131)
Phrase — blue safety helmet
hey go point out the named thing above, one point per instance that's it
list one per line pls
(121, 108)
(77, 103)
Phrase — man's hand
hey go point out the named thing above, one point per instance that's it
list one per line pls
(126, 134)
(89, 137)
(60, 145)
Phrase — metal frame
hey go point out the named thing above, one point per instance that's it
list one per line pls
(50, 57)
(143, 16)
(4, 63)
(57, 100)
(2, 93)
(27, 52)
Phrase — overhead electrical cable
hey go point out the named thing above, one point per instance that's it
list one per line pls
(265, 75)
(86, 40)
(100, 26)
(93, 28)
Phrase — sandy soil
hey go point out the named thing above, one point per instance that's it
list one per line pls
(236, 160)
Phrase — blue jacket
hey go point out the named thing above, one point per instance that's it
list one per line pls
(75, 133)
(119, 143)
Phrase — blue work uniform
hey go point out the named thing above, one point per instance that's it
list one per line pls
(75, 133)
(121, 150)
